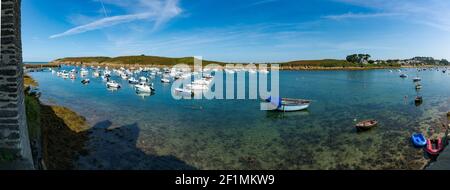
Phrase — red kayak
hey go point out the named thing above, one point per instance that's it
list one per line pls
(434, 147)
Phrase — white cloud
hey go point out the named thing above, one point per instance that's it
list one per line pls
(158, 11)
(359, 15)
(262, 2)
(434, 13)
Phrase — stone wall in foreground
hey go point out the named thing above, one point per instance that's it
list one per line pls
(13, 127)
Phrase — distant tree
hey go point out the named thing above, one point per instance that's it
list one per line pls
(444, 62)
(358, 58)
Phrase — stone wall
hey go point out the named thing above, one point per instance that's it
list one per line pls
(13, 127)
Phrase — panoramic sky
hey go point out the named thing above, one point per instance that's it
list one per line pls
(236, 30)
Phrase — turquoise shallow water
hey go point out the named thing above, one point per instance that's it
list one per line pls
(235, 134)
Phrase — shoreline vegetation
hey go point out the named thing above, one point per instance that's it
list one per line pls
(352, 62)
(161, 62)
(57, 134)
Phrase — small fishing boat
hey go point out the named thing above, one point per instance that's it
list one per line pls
(403, 75)
(112, 84)
(416, 79)
(434, 147)
(289, 104)
(132, 80)
(366, 124)
(165, 80)
(418, 99)
(85, 81)
(418, 140)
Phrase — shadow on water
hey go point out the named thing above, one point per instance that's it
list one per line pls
(115, 149)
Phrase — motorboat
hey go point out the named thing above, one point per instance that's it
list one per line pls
(96, 74)
(165, 80)
(112, 84)
(417, 79)
(84, 72)
(143, 79)
(132, 80)
(403, 75)
(197, 87)
(144, 87)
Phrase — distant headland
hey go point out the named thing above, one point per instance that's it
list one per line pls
(352, 62)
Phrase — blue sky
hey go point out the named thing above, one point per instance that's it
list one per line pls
(236, 30)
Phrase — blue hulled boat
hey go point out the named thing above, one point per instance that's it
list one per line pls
(418, 140)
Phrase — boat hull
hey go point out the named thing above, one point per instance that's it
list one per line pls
(418, 140)
(292, 108)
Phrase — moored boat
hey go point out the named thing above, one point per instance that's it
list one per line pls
(85, 81)
(403, 76)
(132, 80)
(416, 79)
(144, 87)
(418, 99)
(434, 146)
(366, 124)
(165, 80)
(289, 104)
(418, 140)
(418, 86)
(112, 84)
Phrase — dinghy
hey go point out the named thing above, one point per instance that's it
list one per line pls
(289, 104)
(366, 124)
(418, 140)
(434, 147)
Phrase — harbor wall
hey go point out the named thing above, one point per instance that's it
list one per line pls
(14, 140)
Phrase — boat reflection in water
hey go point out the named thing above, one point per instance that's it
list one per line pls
(144, 95)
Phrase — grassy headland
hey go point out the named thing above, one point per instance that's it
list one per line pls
(126, 61)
